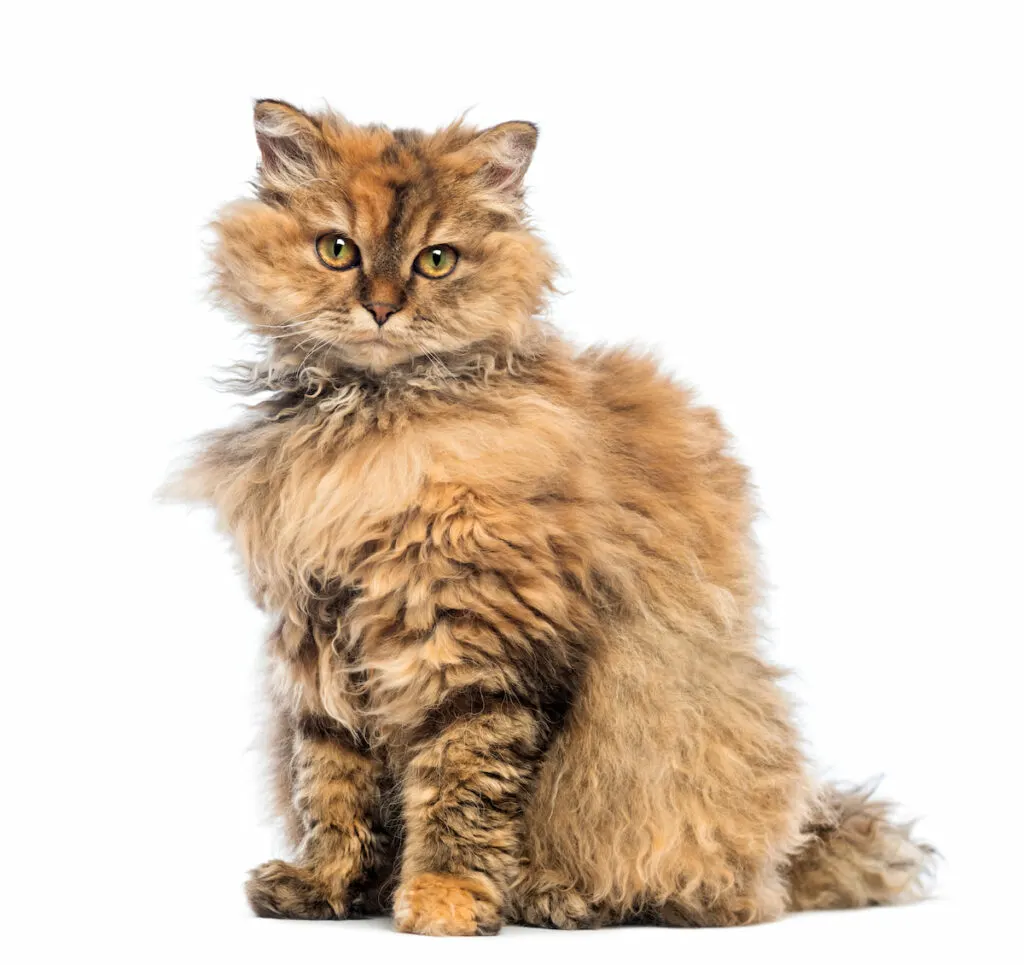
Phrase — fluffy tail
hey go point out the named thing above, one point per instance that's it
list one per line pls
(856, 855)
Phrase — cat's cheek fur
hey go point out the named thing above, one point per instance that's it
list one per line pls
(261, 267)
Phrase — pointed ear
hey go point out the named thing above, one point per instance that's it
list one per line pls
(505, 152)
(290, 142)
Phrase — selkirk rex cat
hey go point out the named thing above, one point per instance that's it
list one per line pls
(514, 664)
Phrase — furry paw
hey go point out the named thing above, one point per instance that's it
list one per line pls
(277, 889)
(556, 908)
(433, 904)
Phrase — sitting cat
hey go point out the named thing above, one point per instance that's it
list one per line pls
(514, 668)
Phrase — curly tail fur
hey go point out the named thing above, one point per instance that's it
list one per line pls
(856, 855)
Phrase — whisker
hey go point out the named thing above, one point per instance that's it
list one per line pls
(443, 372)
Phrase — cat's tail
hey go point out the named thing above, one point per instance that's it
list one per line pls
(857, 855)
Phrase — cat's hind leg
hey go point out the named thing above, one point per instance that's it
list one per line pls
(756, 901)
(545, 900)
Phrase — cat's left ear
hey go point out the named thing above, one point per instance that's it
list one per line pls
(504, 153)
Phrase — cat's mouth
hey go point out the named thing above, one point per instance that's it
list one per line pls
(350, 328)
(381, 337)
(345, 337)
(375, 350)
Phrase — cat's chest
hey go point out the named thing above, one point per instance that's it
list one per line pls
(328, 499)
(318, 502)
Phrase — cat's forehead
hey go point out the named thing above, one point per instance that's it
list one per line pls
(383, 190)
(393, 183)
(402, 156)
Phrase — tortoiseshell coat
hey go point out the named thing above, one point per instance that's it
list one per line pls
(515, 672)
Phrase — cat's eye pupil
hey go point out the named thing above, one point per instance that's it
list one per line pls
(436, 255)
(339, 245)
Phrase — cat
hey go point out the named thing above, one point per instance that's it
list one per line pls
(514, 668)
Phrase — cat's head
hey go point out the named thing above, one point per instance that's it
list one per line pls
(372, 247)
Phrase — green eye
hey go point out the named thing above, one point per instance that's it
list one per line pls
(436, 261)
(337, 252)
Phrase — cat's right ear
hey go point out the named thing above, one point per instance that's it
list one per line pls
(290, 143)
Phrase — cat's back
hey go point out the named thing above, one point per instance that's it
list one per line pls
(666, 460)
(653, 431)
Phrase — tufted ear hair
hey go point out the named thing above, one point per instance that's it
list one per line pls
(504, 153)
(290, 143)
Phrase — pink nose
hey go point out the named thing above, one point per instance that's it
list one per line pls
(381, 311)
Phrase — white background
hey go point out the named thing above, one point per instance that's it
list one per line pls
(813, 211)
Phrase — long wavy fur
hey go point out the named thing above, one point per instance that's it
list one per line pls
(514, 672)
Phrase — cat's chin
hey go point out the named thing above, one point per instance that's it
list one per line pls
(376, 357)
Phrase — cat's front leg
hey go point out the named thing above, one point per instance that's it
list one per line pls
(335, 797)
(464, 792)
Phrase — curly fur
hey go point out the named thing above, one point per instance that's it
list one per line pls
(515, 672)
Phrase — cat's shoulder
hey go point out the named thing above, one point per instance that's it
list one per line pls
(631, 395)
(633, 381)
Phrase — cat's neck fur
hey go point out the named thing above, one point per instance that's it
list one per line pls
(290, 384)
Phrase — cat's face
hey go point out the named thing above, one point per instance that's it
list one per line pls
(372, 247)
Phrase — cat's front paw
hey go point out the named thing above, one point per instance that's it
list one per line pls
(278, 889)
(433, 904)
